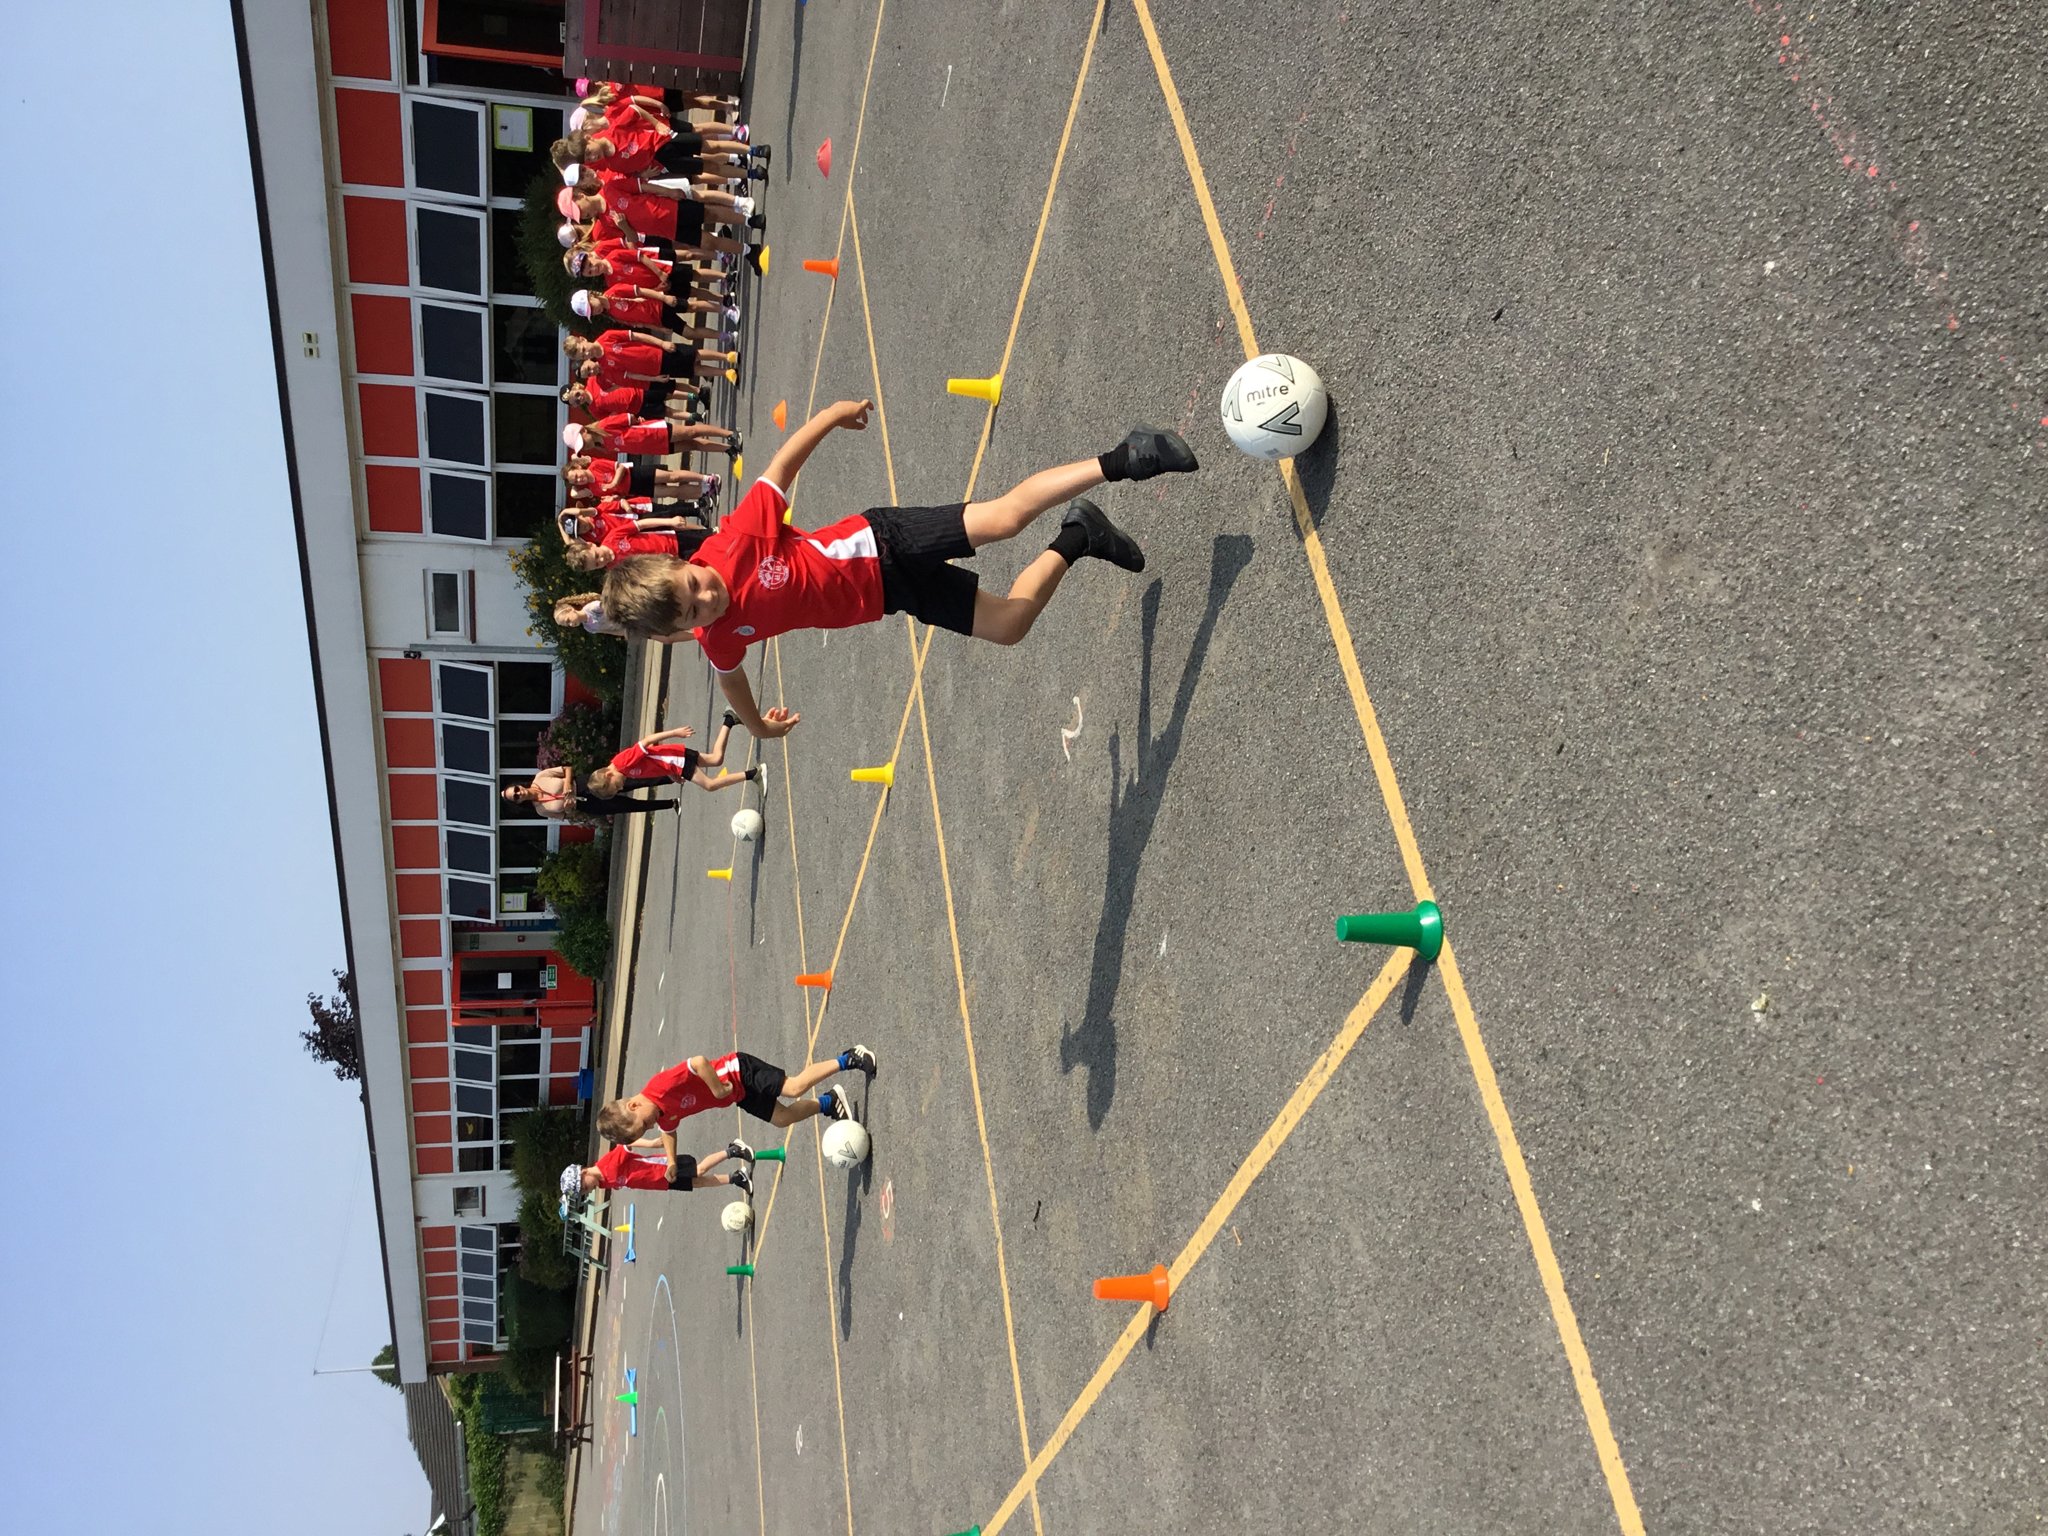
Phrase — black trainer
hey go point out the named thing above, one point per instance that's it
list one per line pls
(762, 153)
(739, 1149)
(728, 719)
(757, 221)
(742, 1180)
(857, 1058)
(1148, 451)
(1106, 541)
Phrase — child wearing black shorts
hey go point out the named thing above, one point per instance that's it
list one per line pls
(757, 1086)
(757, 577)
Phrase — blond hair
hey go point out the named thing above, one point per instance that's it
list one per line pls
(563, 153)
(616, 1123)
(582, 555)
(605, 782)
(640, 595)
(569, 610)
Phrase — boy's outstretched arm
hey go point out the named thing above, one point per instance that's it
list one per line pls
(788, 462)
(739, 693)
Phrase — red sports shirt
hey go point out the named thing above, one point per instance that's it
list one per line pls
(601, 472)
(781, 578)
(633, 263)
(647, 213)
(659, 542)
(621, 353)
(626, 506)
(622, 302)
(601, 525)
(630, 435)
(679, 1093)
(660, 763)
(626, 400)
(633, 1168)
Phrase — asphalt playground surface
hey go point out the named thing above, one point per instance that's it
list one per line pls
(1682, 508)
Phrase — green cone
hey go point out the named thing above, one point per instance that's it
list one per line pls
(1421, 930)
(745, 1270)
(771, 1155)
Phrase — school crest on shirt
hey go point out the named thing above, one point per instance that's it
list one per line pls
(772, 573)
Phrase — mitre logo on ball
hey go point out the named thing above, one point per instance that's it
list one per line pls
(1274, 406)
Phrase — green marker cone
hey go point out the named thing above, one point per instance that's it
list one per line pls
(972, 1530)
(1421, 930)
(746, 1270)
(771, 1155)
(630, 1399)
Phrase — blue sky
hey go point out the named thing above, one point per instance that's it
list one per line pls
(192, 1186)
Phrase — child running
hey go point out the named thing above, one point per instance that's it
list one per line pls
(691, 1087)
(657, 1165)
(757, 577)
(663, 759)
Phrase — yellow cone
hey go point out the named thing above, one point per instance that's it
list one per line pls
(739, 468)
(764, 261)
(731, 377)
(718, 874)
(989, 389)
(886, 774)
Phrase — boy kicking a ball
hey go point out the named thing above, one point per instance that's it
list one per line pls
(757, 577)
(691, 1087)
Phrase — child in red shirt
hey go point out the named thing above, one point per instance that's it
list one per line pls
(625, 434)
(662, 759)
(639, 306)
(652, 1165)
(596, 476)
(757, 577)
(756, 1086)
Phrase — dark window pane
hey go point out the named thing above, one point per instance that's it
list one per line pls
(445, 592)
(455, 428)
(526, 688)
(526, 503)
(513, 170)
(480, 1238)
(479, 1263)
(521, 1092)
(522, 847)
(520, 1031)
(485, 1334)
(450, 250)
(456, 507)
(478, 1288)
(519, 1058)
(445, 155)
(526, 430)
(519, 744)
(452, 343)
(472, 1100)
(470, 802)
(473, 1066)
(486, 74)
(517, 884)
(471, 900)
(479, 1311)
(475, 1128)
(466, 749)
(502, 26)
(475, 1159)
(465, 691)
(469, 852)
(476, 1037)
(525, 346)
(508, 272)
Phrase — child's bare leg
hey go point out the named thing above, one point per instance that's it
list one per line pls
(1006, 620)
(722, 243)
(721, 780)
(803, 1082)
(714, 755)
(1015, 510)
(688, 481)
(798, 1112)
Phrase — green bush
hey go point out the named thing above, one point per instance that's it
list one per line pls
(486, 1453)
(541, 1258)
(572, 878)
(541, 254)
(583, 735)
(584, 941)
(543, 1142)
(596, 661)
(538, 1323)
(553, 1478)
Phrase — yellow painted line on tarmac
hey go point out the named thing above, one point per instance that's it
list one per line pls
(1591, 1402)
(1263, 1151)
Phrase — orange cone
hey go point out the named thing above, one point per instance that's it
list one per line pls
(822, 980)
(824, 268)
(1153, 1288)
(781, 417)
(825, 158)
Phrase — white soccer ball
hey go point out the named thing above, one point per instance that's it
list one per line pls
(1274, 406)
(736, 1217)
(746, 825)
(846, 1143)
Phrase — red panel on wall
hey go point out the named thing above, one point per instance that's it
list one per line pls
(434, 1160)
(390, 418)
(561, 1090)
(432, 1130)
(419, 939)
(440, 1261)
(374, 231)
(383, 334)
(426, 1062)
(438, 1237)
(441, 1308)
(415, 848)
(415, 797)
(393, 491)
(371, 142)
(444, 1285)
(565, 1056)
(423, 987)
(427, 1026)
(409, 743)
(430, 1096)
(359, 39)
(405, 687)
(442, 1353)
(417, 896)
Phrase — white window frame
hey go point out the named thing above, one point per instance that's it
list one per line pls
(462, 630)
(486, 354)
(474, 212)
(482, 399)
(475, 111)
(435, 467)
(487, 723)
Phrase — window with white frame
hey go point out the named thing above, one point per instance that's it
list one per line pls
(458, 506)
(477, 1248)
(447, 148)
(447, 603)
(448, 249)
(526, 705)
(465, 720)
(456, 430)
(452, 343)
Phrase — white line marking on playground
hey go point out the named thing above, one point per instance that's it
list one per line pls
(1162, 942)
(1067, 736)
(664, 1018)
(949, 87)
(663, 982)
(799, 1439)
(658, 1221)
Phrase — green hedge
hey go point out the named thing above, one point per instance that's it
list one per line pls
(596, 661)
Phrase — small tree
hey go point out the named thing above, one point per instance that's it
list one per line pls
(334, 1037)
(384, 1365)
(540, 252)
(597, 661)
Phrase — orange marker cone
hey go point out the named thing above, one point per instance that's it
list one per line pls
(781, 416)
(823, 268)
(1153, 1288)
(825, 158)
(822, 980)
